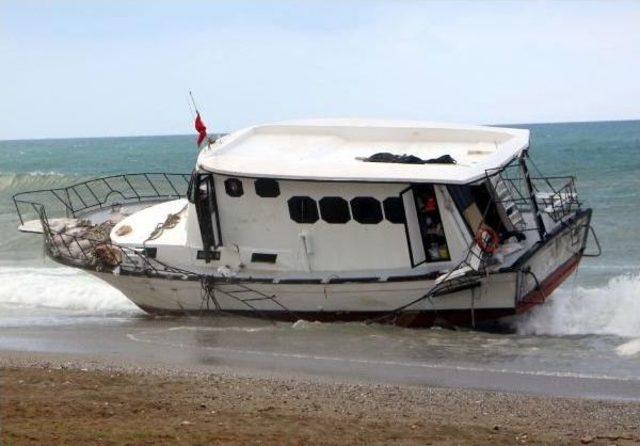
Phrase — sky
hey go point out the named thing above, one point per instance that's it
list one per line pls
(116, 68)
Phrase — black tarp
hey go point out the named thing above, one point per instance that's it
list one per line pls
(386, 157)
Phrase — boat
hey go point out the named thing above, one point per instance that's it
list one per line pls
(411, 223)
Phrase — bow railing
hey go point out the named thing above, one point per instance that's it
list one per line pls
(75, 200)
(72, 239)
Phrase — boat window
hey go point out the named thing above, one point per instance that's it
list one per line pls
(394, 210)
(266, 187)
(303, 209)
(334, 210)
(366, 210)
(487, 205)
(477, 207)
(233, 186)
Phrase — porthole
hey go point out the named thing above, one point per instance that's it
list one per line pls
(233, 186)
(266, 187)
(366, 210)
(334, 210)
(394, 210)
(303, 209)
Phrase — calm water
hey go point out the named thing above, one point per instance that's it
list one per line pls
(595, 315)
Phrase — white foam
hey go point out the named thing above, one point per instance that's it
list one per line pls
(611, 309)
(630, 348)
(60, 288)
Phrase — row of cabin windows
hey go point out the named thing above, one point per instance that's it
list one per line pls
(364, 210)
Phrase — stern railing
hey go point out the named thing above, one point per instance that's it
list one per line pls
(556, 196)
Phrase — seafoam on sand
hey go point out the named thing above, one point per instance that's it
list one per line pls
(60, 288)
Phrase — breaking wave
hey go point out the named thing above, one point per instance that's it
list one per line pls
(14, 182)
(60, 288)
(613, 309)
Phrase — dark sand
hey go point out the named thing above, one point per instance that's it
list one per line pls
(44, 401)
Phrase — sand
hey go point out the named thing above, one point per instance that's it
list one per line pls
(44, 401)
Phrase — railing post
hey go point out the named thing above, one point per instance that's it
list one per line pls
(68, 206)
(15, 203)
(532, 195)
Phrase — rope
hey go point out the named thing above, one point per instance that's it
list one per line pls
(170, 222)
(208, 293)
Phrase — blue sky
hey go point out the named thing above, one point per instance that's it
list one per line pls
(93, 68)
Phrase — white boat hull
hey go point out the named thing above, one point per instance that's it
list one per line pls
(493, 295)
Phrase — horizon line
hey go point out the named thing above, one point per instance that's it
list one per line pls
(45, 138)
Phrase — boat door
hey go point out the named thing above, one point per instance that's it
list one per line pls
(203, 195)
(423, 225)
(417, 253)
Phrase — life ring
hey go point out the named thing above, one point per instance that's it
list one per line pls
(487, 239)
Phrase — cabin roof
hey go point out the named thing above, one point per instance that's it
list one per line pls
(328, 150)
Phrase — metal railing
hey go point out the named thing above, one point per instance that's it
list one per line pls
(74, 200)
(556, 196)
(87, 249)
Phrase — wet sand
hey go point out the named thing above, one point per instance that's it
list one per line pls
(80, 401)
(583, 367)
(231, 381)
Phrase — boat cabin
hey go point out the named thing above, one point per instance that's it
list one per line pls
(340, 199)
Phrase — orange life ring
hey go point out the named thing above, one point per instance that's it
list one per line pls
(487, 239)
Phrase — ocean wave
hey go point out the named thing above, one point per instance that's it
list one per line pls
(34, 173)
(39, 173)
(612, 309)
(15, 182)
(630, 348)
(60, 288)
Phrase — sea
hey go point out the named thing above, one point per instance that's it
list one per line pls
(595, 314)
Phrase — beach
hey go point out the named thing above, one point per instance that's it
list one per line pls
(78, 401)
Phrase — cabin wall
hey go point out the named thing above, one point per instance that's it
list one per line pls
(194, 239)
(254, 224)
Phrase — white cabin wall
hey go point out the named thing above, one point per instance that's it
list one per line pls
(263, 224)
(194, 239)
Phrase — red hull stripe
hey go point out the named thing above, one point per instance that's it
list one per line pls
(548, 285)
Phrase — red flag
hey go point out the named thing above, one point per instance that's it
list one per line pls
(201, 129)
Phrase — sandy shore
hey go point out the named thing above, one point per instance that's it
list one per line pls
(44, 401)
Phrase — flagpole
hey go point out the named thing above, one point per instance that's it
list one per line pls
(194, 102)
(200, 127)
(193, 112)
